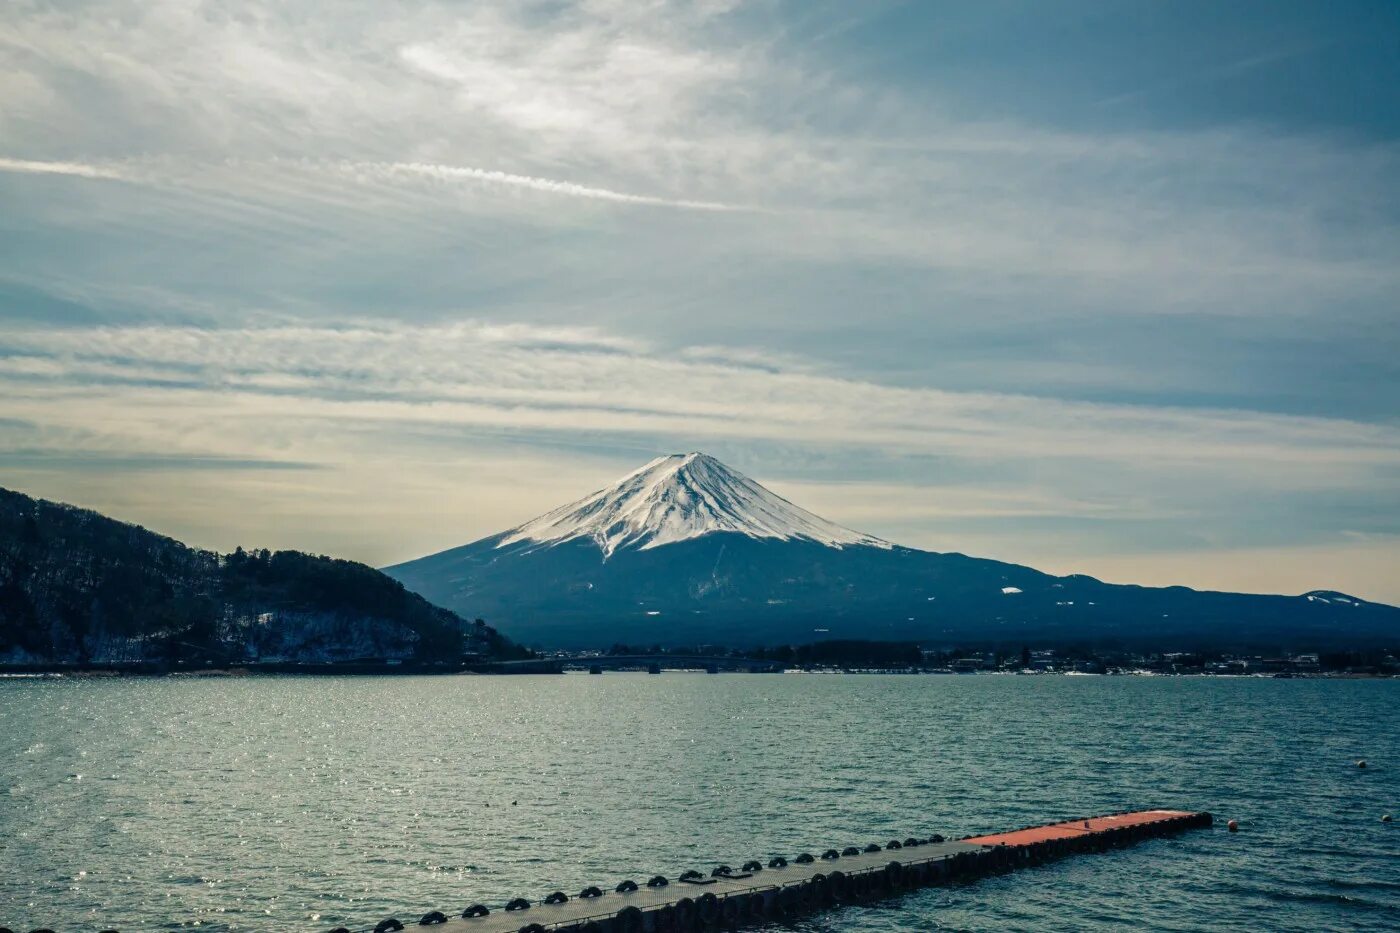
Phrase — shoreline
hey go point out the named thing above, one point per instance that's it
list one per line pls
(367, 669)
(149, 669)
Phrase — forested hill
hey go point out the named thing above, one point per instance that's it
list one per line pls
(78, 587)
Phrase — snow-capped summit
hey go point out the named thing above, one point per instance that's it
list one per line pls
(676, 498)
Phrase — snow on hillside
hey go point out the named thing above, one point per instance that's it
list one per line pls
(676, 498)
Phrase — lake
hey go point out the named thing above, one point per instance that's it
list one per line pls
(304, 803)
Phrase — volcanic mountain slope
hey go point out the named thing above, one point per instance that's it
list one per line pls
(686, 550)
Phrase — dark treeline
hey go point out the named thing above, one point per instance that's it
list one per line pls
(79, 588)
(845, 653)
(1002, 654)
(1355, 660)
(835, 653)
(857, 653)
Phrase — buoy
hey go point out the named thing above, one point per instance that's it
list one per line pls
(1386, 818)
(684, 913)
(1361, 763)
(1233, 826)
(629, 920)
(707, 908)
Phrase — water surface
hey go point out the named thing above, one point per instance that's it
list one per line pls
(305, 803)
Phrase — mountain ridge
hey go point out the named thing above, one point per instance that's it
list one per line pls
(654, 558)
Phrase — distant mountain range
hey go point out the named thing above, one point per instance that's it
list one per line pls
(79, 588)
(688, 551)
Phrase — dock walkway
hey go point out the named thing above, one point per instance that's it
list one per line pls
(763, 894)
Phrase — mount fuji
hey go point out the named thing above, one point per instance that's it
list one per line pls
(679, 498)
(686, 550)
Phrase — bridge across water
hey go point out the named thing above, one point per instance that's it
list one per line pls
(756, 893)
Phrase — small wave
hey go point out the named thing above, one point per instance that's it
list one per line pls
(1323, 897)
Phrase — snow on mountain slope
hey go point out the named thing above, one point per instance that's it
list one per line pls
(677, 498)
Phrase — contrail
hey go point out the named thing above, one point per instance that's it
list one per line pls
(551, 185)
(79, 169)
(421, 169)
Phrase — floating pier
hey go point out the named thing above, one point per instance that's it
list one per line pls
(727, 898)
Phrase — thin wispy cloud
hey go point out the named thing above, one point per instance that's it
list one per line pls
(1216, 73)
(555, 380)
(548, 185)
(76, 169)
(175, 175)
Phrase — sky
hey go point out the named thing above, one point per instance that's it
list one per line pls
(1099, 287)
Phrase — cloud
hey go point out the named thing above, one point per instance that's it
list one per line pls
(475, 375)
(77, 169)
(189, 174)
(549, 185)
(428, 417)
(305, 137)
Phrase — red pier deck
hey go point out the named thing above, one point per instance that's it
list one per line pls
(1074, 828)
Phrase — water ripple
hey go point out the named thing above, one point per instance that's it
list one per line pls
(276, 803)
